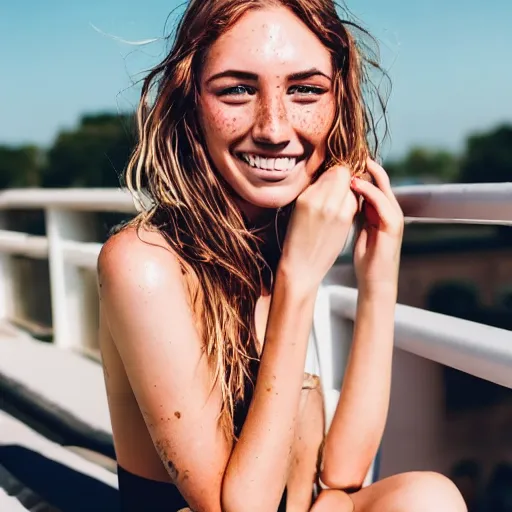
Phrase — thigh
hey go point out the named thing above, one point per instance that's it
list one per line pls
(419, 491)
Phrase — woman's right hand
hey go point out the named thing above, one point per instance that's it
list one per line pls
(318, 228)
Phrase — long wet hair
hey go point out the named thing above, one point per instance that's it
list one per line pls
(192, 205)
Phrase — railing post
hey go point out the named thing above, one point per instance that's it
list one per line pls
(6, 277)
(68, 284)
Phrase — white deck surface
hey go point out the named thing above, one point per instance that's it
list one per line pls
(59, 377)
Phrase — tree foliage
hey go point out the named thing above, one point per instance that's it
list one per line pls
(20, 166)
(488, 157)
(425, 165)
(93, 155)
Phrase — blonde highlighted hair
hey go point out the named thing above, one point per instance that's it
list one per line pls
(192, 206)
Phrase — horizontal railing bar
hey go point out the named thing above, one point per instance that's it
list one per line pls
(23, 244)
(472, 222)
(81, 254)
(476, 203)
(73, 199)
(474, 348)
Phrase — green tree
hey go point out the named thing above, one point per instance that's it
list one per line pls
(95, 154)
(20, 166)
(488, 157)
(426, 165)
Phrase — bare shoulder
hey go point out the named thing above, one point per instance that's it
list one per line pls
(137, 256)
(139, 271)
(138, 259)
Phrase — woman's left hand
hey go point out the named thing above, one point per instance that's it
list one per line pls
(377, 247)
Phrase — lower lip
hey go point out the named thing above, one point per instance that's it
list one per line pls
(268, 175)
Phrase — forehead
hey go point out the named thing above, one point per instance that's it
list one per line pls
(265, 38)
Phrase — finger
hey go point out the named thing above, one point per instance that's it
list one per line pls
(381, 180)
(379, 201)
(349, 206)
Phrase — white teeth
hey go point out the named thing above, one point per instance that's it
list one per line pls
(281, 164)
(269, 164)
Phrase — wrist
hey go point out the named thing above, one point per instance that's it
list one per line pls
(382, 291)
(300, 287)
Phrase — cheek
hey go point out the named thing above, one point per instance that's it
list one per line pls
(221, 122)
(314, 121)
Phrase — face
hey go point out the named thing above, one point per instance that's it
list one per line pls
(266, 107)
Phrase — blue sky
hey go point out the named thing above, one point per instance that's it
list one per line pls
(449, 61)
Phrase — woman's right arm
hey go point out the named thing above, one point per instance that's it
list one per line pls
(145, 301)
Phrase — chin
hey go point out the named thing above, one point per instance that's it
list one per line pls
(270, 197)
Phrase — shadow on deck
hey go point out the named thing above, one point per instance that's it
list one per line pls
(52, 486)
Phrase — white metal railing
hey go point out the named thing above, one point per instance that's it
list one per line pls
(72, 253)
(71, 250)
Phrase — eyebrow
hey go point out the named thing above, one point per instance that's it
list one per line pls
(245, 75)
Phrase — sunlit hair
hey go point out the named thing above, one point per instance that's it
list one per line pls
(192, 206)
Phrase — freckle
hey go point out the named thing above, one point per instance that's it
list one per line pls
(177, 414)
(269, 389)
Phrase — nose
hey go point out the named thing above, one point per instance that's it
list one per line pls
(271, 124)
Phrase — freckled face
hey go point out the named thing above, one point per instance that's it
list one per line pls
(266, 107)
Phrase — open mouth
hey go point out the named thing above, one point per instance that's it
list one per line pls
(284, 163)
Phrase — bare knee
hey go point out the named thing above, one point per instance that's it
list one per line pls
(423, 492)
(333, 501)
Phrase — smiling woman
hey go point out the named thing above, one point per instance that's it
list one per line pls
(252, 153)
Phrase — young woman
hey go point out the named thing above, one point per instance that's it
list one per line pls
(250, 151)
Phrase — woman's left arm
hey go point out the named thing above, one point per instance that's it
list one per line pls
(358, 424)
